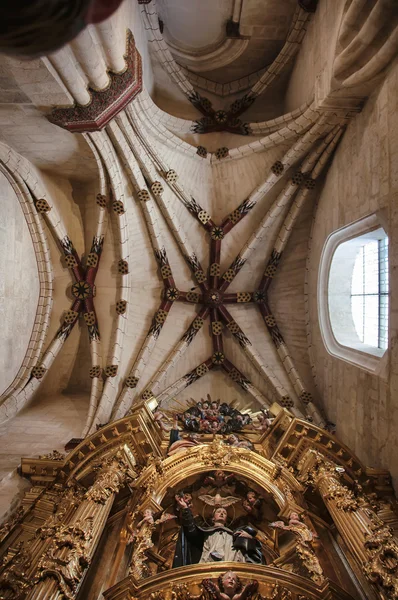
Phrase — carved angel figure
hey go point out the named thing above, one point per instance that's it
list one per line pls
(148, 517)
(252, 504)
(229, 587)
(296, 526)
(265, 421)
(148, 520)
(142, 539)
(219, 479)
(303, 545)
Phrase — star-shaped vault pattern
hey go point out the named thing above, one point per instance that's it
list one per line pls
(211, 297)
(125, 150)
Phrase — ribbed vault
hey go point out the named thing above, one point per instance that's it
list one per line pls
(174, 278)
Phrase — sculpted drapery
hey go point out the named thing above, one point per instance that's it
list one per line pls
(217, 543)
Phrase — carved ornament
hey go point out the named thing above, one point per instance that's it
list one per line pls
(15, 579)
(54, 455)
(382, 568)
(111, 477)
(107, 103)
(218, 454)
(68, 556)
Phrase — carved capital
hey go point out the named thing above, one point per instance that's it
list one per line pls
(343, 497)
(112, 475)
(316, 470)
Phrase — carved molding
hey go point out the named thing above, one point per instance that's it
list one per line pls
(112, 475)
(184, 583)
(107, 103)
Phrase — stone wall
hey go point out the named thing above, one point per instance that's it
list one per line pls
(47, 424)
(361, 181)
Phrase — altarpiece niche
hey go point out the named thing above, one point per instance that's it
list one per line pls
(206, 502)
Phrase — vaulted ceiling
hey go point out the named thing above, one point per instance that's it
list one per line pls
(177, 235)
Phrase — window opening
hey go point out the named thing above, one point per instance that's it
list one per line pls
(369, 293)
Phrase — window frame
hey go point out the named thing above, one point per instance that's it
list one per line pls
(374, 360)
(381, 294)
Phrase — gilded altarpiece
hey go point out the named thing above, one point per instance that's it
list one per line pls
(142, 509)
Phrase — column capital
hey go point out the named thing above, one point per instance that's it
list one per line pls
(112, 474)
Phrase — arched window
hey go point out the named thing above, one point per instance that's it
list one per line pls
(353, 293)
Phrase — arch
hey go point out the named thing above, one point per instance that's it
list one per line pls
(45, 279)
(203, 458)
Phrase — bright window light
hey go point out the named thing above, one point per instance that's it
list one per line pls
(369, 293)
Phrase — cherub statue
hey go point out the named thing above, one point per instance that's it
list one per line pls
(296, 526)
(148, 517)
(141, 536)
(305, 537)
(219, 479)
(233, 440)
(252, 504)
(265, 421)
(229, 587)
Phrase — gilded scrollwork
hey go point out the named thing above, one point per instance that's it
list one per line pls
(157, 596)
(382, 567)
(304, 538)
(285, 488)
(218, 454)
(14, 579)
(67, 498)
(343, 497)
(68, 556)
(23, 558)
(112, 475)
(54, 455)
(279, 592)
(150, 478)
(157, 462)
(180, 591)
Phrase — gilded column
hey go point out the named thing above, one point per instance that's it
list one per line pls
(19, 565)
(61, 567)
(371, 542)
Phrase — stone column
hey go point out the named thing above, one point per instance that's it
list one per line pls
(61, 568)
(366, 535)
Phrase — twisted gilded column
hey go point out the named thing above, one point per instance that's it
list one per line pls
(61, 567)
(369, 539)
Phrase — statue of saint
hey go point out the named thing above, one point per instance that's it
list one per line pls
(217, 543)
